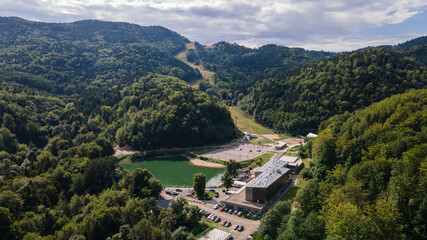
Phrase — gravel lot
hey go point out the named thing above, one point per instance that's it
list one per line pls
(238, 153)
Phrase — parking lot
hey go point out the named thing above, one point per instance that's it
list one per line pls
(238, 153)
(249, 225)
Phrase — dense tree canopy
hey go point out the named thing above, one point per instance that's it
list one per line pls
(374, 185)
(74, 57)
(297, 104)
(239, 68)
(70, 92)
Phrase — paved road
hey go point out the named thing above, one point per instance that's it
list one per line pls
(249, 225)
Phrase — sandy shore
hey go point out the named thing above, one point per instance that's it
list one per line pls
(198, 162)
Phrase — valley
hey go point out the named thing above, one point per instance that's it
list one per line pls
(99, 118)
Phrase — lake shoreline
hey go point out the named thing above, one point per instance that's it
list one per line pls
(201, 163)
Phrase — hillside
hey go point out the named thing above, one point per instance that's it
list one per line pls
(238, 68)
(70, 58)
(367, 179)
(415, 48)
(299, 102)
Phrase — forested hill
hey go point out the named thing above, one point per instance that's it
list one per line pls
(238, 68)
(68, 58)
(367, 178)
(414, 48)
(297, 104)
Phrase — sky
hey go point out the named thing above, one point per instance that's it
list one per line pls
(329, 25)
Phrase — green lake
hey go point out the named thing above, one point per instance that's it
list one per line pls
(177, 171)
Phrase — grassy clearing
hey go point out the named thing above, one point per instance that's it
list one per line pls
(282, 137)
(260, 141)
(202, 234)
(290, 194)
(206, 74)
(254, 162)
(292, 152)
(246, 123)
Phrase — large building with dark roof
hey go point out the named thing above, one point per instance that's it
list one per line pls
(269, 180)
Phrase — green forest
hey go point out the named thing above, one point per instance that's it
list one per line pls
(367, 178)
(76, 57)
(72, 92)
(239, 68)
(298, 103)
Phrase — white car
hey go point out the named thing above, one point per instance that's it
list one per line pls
(216, 207)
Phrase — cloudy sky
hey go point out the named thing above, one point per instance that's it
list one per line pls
(332, 25)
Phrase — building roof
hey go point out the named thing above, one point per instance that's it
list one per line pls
(311, 135)
(289, 159)
(270, 173)
(280, 144)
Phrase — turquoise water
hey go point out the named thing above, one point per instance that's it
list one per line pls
(177, 171)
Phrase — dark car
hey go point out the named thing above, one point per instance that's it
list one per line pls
(241, 228)
(217, 219)
(230, 238)
(227, 224)
(178, 190)
(236, 227)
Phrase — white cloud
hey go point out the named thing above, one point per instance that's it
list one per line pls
(250, 22)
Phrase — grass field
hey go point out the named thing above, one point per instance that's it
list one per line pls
(202, 234)
(206, 74)
(246, 123)
(264, 159)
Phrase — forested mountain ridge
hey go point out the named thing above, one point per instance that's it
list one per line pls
(414, 48)
(299, 102)
(58, 179)
(70, 92)
(239, 68)
(367, 178)
(70, 58)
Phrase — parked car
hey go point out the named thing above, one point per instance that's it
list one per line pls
(215, 207)
(235, 212)
(217, 219)
(236, 227)
(231, 211)
(224, 222)
(222, 209)
(239, 213)
(216, 195)
(227, 224)
(212, 190)
(230, 238)
(175, 193)
(168, 191)
(189, 195)
(207, 214)
(241, 228)
(178, 190)
(223, 190)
